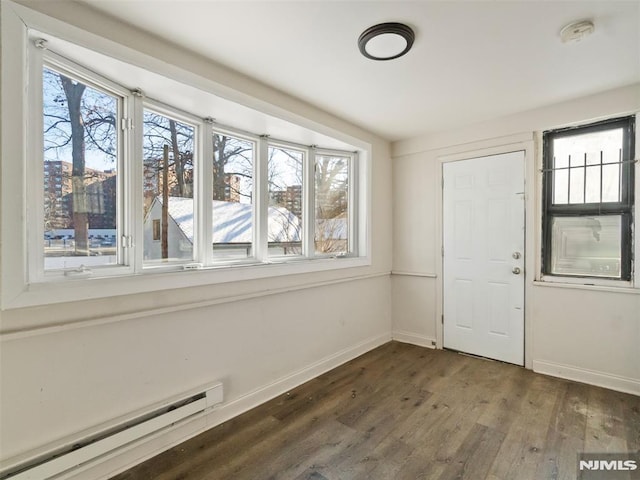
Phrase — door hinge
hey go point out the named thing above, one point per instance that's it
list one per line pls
(442, 319)
(442, 251)
(442, 182)
(126, 123)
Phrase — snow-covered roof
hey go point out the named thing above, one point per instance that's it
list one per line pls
(232, 221)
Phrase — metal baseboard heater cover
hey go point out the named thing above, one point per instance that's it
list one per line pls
(92, 448)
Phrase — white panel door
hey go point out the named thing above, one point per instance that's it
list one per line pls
(483, 261)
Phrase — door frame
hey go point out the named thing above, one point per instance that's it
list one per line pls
(524, 143)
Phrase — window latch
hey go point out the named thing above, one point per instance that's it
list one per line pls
(81, 271)
(126, 241)
(126, 123)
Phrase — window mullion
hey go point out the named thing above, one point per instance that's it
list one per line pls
(123, 223)
(34, 183)
(261, 204)
(309, 214)
(135, 220)
(204, 193)
(352, 209)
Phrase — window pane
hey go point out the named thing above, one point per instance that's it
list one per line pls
(168, 189)
(593, 185)
(560, 160)
(611, 183)
(576, 160)
(233, 166)
(331, 204)
(576, 187)
(587, 246)
(599, 146)
(561, 187)
(285, 201)
(606, 142)
(80, 173)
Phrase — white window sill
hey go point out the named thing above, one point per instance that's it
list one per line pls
(590, 284)
(70, 289)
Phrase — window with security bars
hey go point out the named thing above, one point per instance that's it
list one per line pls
(588, 200)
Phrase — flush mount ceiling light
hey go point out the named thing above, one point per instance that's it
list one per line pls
(386, 41)
(576, 31)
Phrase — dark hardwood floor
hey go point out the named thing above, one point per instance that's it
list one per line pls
(406, 412)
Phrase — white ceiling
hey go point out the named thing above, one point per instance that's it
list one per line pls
(471, 61)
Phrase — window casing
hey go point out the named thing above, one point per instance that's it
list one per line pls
(224, 205)
(588, 200)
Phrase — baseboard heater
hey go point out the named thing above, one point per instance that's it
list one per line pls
(94, 447)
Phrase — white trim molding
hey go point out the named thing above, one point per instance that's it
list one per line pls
(591, 377)
(91, 322)
(414, 274)
(413, 339)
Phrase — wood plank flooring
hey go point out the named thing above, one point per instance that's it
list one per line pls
(406, 412)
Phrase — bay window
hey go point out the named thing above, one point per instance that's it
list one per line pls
(130, 184)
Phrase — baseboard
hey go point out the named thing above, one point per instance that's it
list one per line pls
(413, 338)
(263, 394)
(129, 456)
(592, 377)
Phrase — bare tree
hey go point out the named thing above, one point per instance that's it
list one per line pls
(158, 131)
(331, 198)
(232, 157)
(331, 209)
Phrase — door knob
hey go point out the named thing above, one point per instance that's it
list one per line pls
(516, 255)
(516, 270)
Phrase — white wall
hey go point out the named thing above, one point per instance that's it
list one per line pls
(415, 248)
(589, 334)
(66, 369)
(57, 383)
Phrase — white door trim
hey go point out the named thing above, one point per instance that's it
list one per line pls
(532, 212)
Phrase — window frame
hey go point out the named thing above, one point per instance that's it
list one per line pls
(35, 257)
(27, 289)
(188, 119)
(207, 209)
(307, 210)
(352, 195)
(624, 208)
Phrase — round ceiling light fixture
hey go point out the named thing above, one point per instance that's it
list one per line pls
(386, 41)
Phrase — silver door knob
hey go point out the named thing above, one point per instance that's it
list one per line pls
(516, 270)
(516, 255)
